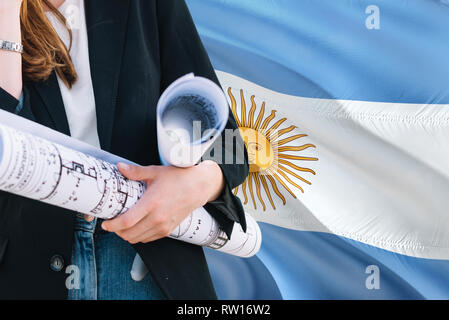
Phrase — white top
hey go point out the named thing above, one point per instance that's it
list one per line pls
(79, 102)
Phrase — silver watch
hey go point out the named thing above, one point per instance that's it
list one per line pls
(11, 46)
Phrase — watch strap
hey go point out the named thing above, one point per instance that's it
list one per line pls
(11, 46)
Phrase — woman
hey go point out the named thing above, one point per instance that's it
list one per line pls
(95, 70)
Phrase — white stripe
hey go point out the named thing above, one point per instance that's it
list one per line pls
(383, 172)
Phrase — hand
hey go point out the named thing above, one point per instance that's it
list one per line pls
(172, 194)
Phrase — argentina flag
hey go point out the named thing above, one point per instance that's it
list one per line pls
(344, 109)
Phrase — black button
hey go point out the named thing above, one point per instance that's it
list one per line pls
(56, 263)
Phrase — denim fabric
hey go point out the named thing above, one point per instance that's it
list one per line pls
(104, 262)
(20, 104)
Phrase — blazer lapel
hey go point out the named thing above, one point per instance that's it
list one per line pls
(51, 95)
(106, 28)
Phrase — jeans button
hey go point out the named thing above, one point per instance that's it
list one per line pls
(56, 263)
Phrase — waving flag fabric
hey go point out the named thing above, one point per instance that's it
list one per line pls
(344, 107)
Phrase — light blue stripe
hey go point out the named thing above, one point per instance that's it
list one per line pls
(322, 49)
(241, 279)
(315, 265)
(325, 266)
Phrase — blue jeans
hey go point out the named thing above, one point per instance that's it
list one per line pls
(103, 262)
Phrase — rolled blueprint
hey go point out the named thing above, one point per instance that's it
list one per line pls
(191, 114)
(42, 164)
(38, 169)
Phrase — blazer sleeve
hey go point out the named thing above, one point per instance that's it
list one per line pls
(8, 102)
(182, 52)
(20, 107)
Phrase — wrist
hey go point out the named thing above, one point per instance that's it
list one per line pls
(213, 178)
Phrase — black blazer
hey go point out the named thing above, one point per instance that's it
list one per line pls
(137, 48)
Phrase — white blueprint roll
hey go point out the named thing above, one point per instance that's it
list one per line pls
(39, 163)
(42, 170)
(188, 100)
(38, 169)
(242, 244)
(191, 113)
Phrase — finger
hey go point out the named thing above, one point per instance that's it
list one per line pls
(136, 233)
(152, 237)
(149, 236)
(137, 173)
(159, 232)
(88, 218)
(155, 223)
(131, 217)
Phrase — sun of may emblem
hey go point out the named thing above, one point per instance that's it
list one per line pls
(275, 153)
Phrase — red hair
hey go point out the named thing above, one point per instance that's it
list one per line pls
(44, 51)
